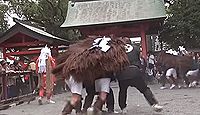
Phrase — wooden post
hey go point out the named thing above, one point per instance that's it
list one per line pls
(4, 53)
(30, 81)
(144, 41)
(5, 88)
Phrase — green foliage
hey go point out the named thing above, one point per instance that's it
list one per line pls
(44, 13)
(182, 26)
(3, 20)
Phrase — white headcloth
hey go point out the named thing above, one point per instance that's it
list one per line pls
(44, 54)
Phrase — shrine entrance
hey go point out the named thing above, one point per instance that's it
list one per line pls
(125, 18)
(22, 44)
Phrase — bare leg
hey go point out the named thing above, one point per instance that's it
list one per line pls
(103, 87)
(76, 90)
(72, 104)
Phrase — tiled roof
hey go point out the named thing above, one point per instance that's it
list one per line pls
(112, 11)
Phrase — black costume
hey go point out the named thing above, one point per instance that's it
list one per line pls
(133, 76)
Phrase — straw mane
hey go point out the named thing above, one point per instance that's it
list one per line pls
(86, 64)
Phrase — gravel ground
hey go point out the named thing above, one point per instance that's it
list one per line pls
(176, 102)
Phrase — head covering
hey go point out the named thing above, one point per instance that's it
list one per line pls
(128, 48)
(183, 50)
(44, 54)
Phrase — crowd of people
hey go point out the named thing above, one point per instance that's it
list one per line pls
(16, 84)
(17, 78)
(131, 76)
(136, 74)
(172, 73)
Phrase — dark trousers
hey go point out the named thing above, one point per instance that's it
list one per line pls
(90, 90)
(13, 91)
(137, 82)
(163, 80)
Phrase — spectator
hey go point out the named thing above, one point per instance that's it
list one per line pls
(15, 66)
(5, 66)
(32, 67)
(1, 68)
(12, 89)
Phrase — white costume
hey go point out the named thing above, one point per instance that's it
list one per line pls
(103, 85)
(74, 86)
(151, 59)
(171, 72)
(192, 73)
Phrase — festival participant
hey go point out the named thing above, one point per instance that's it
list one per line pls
(102, 87)
(76, 91)
(132, 76)
(91, 92)
(89, 61)
(171, 76)
(168, 74)
(193, 73)
(44, 64)
(193, 76)
(151, 65)
(92, 89)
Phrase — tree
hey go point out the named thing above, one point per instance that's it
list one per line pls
(3, 22)
(182, 25)
(49, 14)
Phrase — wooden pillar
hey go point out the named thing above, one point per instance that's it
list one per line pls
(4, 53)
(55, 51)
(144, 41)
(5, 78)
(5, 88)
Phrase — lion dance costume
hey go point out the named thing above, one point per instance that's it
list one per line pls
(89, 61)
(44, 65)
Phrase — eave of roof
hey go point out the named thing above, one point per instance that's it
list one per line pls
(27, 29)
(113, 11)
